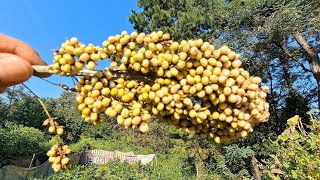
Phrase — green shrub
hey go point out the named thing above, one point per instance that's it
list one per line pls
(124, 144)
(106, 136)
(168, 167)
(18, 140)
(234, 154)
(64, 109)
(75, 173)
(297, 151)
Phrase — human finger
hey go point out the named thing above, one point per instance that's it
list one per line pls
(19, 48)
(13, 70)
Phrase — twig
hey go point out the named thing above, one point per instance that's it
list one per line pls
(30, 90)
(74, 83)
(301, 127)
(45, 69)
(38, 98)
(44, 108)
(115, 73)
(293, 57)
(48, 81)
(63, 86)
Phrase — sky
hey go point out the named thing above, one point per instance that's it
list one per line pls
(44, 25)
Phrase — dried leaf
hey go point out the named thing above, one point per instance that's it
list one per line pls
(276, 171)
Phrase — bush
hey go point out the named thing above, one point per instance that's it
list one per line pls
(169, 167)
(109, 136)
(76, 172)
(65, 109)
(297, 151)
(18, 140)
(20, 107)
(125, 144)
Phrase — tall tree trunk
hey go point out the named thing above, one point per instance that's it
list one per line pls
(313, 60)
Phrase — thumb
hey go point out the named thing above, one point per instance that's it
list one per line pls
(13, 70)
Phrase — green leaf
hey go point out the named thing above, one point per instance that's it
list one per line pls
(296, 136)
(283, 137)
(294, 174)
(299, 148)
(285, 164)
(292, 153)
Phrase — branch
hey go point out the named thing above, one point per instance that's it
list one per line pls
(44, 108)
(305, 45)
(257, 173)
(116, 74)
(41, 103)
(314, 59)
(293, 58)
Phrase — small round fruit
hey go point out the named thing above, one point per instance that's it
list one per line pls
(144, 127)
(51, 152)
(57, 160)
(65, 160)
(59, 130)
(46, 122)
(52, 129)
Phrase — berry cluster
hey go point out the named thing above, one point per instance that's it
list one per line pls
(191, 84)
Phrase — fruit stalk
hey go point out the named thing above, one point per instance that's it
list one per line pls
(116, 74)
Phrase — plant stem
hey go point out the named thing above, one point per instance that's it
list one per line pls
(44, 108)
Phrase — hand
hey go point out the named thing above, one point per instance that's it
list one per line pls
(16, 59)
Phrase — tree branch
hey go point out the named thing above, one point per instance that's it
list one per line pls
(307, 48)
(293, 57)
(115, 73)
(313, 60)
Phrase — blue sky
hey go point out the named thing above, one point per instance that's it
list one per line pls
(46, 24)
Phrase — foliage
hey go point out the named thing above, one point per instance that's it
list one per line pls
(298, 154)
(237, 155)
(18, 140)
(183, 19)
(101, 131)
(124, 143)
(21, 107)
(170, 161)
(75, 173)
(178, 156)
(2, 110)
(113, 137)
(218, 167)
(175, 161)
(65, 109)
(298, 150)
(117, 170)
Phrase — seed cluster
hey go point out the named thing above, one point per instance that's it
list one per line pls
(58, 157)
(54, 127)
(199, 89)
(58, 154)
